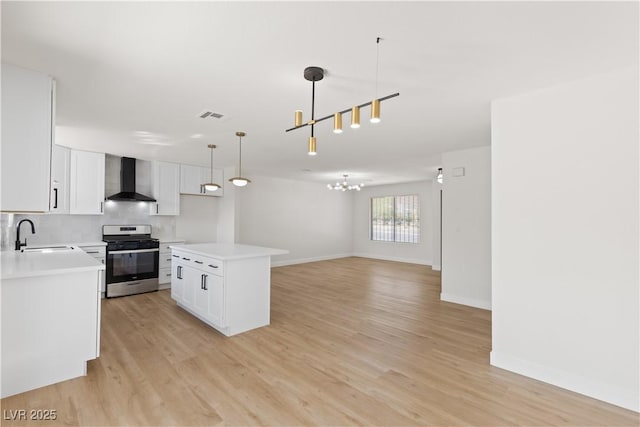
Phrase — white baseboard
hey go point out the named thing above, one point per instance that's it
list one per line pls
(486, 305)
(392, 258)
(628, 399)
(306, 260)
(436, 267)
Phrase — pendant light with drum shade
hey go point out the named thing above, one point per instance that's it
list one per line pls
(211, 186)
(239, 181)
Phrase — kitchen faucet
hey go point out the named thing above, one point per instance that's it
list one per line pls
(33, 231)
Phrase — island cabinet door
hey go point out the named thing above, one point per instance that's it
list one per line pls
(178, 281)
(215, 291)
(191, 280)
(202, 294)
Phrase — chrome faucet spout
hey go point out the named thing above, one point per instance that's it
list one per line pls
(33, 231)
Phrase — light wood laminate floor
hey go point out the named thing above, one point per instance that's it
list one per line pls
(352, 341)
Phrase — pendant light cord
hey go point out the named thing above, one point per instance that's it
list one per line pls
(211, 169)
(377, 62)
(240, 163)
(313, 104)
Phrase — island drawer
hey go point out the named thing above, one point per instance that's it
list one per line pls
(206, 264)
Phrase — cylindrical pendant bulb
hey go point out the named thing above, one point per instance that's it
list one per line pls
(375, 111)
(355, 117)
(337, 123)
(298, 118)
(312, 146)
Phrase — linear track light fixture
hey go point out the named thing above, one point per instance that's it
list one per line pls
(315, 74)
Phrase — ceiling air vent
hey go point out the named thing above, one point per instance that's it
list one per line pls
(210, 114)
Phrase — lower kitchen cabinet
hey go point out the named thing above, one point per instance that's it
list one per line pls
(227, 286)
(99, 252)
(198, 284)
(165, 271)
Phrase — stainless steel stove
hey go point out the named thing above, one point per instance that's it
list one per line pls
(132, 260)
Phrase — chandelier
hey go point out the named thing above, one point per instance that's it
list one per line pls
(315, 74)
(344, 186)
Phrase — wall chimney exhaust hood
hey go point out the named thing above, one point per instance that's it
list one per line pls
(128, 184)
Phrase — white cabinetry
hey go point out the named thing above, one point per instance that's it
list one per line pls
(99, 252)
(86, 189)
(199, 286)
(227, 286)
(59, 198)
(165, 188)
(27, 133)
(165, 270)
(192, 178)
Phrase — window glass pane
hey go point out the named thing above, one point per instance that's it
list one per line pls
(395, 219)
(382, 216)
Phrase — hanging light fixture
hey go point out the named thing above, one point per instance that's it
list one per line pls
(211, 186)
(439, 176)
(344, 186)
(239, 181)
(337, 123)
(315, 74)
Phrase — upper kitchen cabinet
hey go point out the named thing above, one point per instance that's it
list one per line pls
(192, 179)
(86, 189)
(165, 188)
(59, 198)
(28, 99)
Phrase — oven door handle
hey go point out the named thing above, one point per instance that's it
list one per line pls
(135, 251)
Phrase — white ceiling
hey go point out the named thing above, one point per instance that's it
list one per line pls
(133, 76)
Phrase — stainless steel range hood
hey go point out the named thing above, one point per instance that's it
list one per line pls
(128, 184)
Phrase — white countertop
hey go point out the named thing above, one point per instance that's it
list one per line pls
(228, 251)
(16, 264)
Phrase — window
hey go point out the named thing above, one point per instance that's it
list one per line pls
(395, 219)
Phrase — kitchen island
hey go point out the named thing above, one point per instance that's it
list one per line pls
(50, 316)
(226, 285)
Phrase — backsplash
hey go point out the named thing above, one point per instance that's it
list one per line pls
(83, 228)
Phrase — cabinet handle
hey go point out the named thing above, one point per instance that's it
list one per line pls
(204, 276)
(186, 259)
(168, 274)
(213, 266)
(202, 281)
(168, 259)
(198, 262)
(92, 252)
(175, 256)
(179, 272)
(157, 204)
(55, 203)
(101, 207)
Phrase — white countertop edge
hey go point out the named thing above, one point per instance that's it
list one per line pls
(221, 250)
(17, 265)
(62, 270)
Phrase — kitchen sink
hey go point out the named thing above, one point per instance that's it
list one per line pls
(48, 249)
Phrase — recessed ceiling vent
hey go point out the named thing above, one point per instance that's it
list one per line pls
(207, 114)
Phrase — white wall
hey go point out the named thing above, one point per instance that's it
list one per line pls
(198, 220)
(227, 228)
(306, 219)
(565, 236)
(419, 253)
(466, 227)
